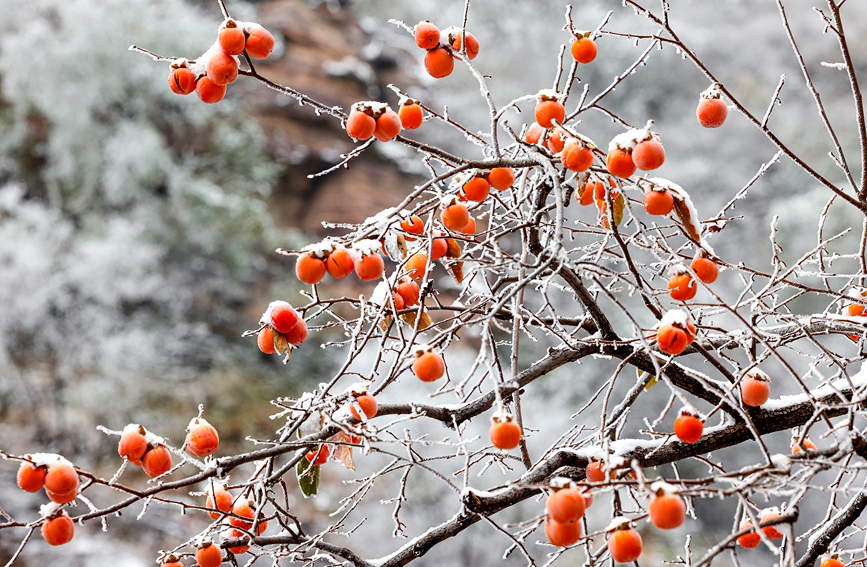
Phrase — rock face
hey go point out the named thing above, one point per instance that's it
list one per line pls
(329, 57)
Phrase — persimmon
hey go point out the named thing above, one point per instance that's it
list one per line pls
(439, 63)
(360, 125)
(182, 80)
(208, 91)
(239, 549)
(565, 506)
(576, 156)
(58, 530)
(369, 267)
(658, 203)
(30, 478)
(548, 111)
(388, 126)
(439, 247)
(667, 511)
(624, 545)
(556, 140)
(429, 366)
(409, 291)
(595, 472)
(688, 428)
(505, 433)
(856, 310)
(832, 562)
(586, 194)
(171, 561)
(808, 445)
(232, 39)
(584, 50)
(156, 461)
(620, 163)
(412, 225)
(427, 35)
(416, 265)
(243, 509)
(222, 69)
(771, 532)
(676, 332)
(755, 390)
(476, 189)
(455, 217)
(472, 45)
(260, 43)
(368, 405)
(649, 154)
(470, 228)
(265, 341)
(202, 438)
(133, 445)
(681, 287)
(534, 133)
(750, 539)
(209, 555)
(706, 269)
(339, 263)
(283, 316)
(298, 334)
(61, 481)
(501, 178)
(220, 501)
(711, 112)
(411, 116)
(588, 497)
(319, 456)
(562, 535)
(309, 269)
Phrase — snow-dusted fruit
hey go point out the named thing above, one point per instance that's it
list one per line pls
(58, 530)
(368, 405)
(411, 115)
(61, 483)
(309, 269)
(649, 154)
(576, 156)
(30, 478)
(265, 341)
(427, 35)
(222, 69)
(711, 112)
(416, 265)
(584, 50)
(562, 535)
(369, 267)
(283, 317)
(209, 555)
(429, 366)
(298, 334)
(133, 445)
(620, 163)
(755, 390)
(549, 111)
(750, 539)
(232, 39)
(182, 80)
(319, 455)
(210, 92)
(360, 125)
(439, 63)
(472, 45)
(388, 126)
(220, 501)
(339, 263)
(667, 511)
(202, 438)
(157, 461)
(455, 216)
(501, 178)
(565, 505)
(658, 202)
(706, 269)
(505, 433)
(476, 189)
(688, 428)
(681, 287)
(260, 43)
(676, 332)
(409, 291)
(624, 545)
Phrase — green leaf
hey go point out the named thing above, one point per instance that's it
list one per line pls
(308, 477)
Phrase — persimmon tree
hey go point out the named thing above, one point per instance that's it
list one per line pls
(537, 231)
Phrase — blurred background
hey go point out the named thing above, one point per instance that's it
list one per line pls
(138, 228)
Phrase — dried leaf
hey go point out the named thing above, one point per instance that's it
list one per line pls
(308, 477)
(651, 383)
(619, 207)
(384, 323)
(281, 342)
(456, 269)
(682, 209)
(454, 250)
(342, 453)
(394, 244)
(426, 321)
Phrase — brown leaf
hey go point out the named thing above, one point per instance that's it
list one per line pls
(281, 342)
(454, 250)
(426, 321)
(394, 244)
(456, 269)
(682, 211)
(342, 452)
